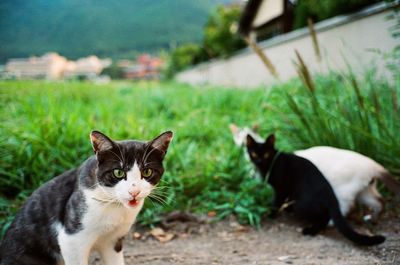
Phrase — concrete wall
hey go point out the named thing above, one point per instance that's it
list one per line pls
(343, 40)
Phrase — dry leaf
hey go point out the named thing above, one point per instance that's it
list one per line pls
(161, 235)
(212, 214)
(241, 229)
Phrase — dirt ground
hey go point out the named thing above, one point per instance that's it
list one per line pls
(278, 241)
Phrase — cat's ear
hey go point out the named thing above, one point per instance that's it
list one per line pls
(234, 129)
(100, 142)
(250, 141)
(162, 141)
(255, 127)
(270, 141)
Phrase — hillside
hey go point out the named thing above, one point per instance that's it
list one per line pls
(77, 28)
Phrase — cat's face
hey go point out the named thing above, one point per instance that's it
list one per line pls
(128, 171)
(261, 154)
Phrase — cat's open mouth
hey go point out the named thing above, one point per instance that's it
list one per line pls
(133, 202)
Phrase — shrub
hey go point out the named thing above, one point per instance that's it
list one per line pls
(320, 10)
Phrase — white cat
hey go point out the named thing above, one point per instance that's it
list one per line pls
(352, 175)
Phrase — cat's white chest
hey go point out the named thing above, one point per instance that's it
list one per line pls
(107, 219)
(104, 218)
(102, 224)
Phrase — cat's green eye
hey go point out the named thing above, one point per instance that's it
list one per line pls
(147, 172)
(266, 155)
(253, 154)
(119, 173)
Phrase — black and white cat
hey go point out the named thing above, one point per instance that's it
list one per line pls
(352, 176)
(88, 208)
(298, 182)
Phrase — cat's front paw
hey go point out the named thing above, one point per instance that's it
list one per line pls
(309, 231)
(273, 214)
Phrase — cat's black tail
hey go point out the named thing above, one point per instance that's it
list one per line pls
(344, 228)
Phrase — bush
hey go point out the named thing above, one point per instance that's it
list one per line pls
(220, 38)
(341, 111)
(113, 71)
(182, 57)
(320, 10)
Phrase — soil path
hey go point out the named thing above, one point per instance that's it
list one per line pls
(277, 242)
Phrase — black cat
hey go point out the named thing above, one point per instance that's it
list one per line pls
(297, 180)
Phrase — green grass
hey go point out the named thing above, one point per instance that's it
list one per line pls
(45, 130)
(341, 111)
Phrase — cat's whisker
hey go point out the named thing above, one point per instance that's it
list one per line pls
(106, 197)
(154, 148)
(160, 190)
(155, 202)
(120, 159)
(164, 182)
(159, 193)
(164, 186)
(163, 195)
(109, 196)
(158, 198)
(154, 195)
(122, 155)
(104, 200)
(160, 201)
(94, 185)
(156, 187)
(150, 163)
(152, 202)
(145, 152)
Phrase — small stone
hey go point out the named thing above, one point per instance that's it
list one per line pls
(287, 259)
(137, 235)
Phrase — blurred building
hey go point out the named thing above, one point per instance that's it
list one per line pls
(49, 66)
(86, 68)
(263, 19)
(53, 66)
(146, 67)
(124, 63)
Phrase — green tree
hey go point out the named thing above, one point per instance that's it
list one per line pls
(320, 10)
(113, 71)
(182, 57)
(220, 38)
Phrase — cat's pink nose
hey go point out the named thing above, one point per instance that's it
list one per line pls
(134, 193)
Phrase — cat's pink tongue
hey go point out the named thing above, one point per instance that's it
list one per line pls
(133, 203)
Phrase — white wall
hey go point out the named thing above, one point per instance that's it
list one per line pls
(343, 39)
